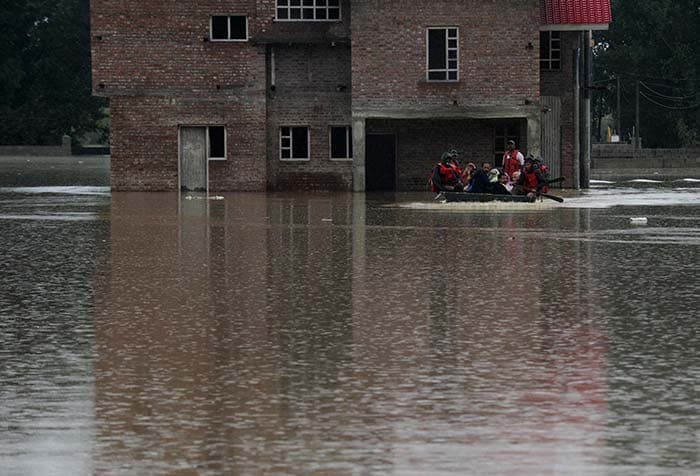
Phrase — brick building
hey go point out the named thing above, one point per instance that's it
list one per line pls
(337, 94)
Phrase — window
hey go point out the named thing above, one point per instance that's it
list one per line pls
(229, 28)
(341, 143)
(443, 54)
(294, 143)
(216, 138)
(308, 10)
(550, 50)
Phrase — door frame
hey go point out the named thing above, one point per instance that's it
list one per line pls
(206, 152)
(396, 155)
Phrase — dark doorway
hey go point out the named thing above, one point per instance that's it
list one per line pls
(380, 163)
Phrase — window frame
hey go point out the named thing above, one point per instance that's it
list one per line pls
(447, 70)
(301, 7)
(348, 142)
(548, 63)
(229, 39)
(291, 143)
(209, 157)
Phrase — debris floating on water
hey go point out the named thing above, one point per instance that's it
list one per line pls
(639, 220)
(212, 197)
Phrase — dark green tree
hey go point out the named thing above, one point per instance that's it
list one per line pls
(45, 79)
(655, 42)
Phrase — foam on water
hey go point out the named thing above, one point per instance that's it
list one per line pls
(70, 190)
(479, 206)
(606, 198)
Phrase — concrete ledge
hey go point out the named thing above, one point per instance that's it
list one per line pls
(665, 175)
(38, 150)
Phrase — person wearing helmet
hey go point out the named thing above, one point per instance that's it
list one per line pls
(531, 180)
(446, 174)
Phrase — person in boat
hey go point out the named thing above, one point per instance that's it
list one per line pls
(480, 181)
(446, 174)
(506, 181)
(513, 159)
(544, 169)
(498, 181)
(531, 181)
(467, 175)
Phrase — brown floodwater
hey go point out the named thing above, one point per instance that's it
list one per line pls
(334, 334)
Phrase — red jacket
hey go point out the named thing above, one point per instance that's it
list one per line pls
(511, 164)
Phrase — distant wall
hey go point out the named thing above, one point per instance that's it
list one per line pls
(625, 156)
(623, 162)
(40, 150)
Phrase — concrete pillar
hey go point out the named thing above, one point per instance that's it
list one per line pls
(358, 152)
(534, 135)
(66, 145)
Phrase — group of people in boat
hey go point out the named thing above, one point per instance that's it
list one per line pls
(518, 176)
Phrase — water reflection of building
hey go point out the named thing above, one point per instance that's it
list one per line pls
(285, 332)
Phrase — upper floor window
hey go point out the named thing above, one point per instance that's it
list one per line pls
(229, 28)
(308, 10)
(550, 50)
(443, 54)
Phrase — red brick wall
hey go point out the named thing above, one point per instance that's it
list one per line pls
(159, 46)
(312, 89)
(496, 67)
(144, 142)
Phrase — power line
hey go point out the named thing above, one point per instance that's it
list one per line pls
(672, 108)
(676, 98)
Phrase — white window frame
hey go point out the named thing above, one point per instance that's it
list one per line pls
(209, 157)
(448, 49)
(302, 7)
(291, 144)
(548, 63)
(229, 39)
(348, 141)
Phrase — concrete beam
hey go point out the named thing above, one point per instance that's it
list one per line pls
(455, 112)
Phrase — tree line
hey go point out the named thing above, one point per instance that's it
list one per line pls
(45, 79)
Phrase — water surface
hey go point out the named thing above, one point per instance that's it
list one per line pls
(348, 334)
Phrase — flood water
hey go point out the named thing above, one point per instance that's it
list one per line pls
(347, 334)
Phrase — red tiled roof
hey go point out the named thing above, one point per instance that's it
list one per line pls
(575, 12)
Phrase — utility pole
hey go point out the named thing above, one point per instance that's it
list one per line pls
(619, 111)
(637, 142)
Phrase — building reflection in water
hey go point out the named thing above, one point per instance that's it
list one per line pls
(271, 333)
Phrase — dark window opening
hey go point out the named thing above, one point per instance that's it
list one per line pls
(341, 142)
(219, 28)
(229, 28)
(550, 50)
(217, 142)
(300, 143)
(443, 54)
(294, 143)
(239, 28)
